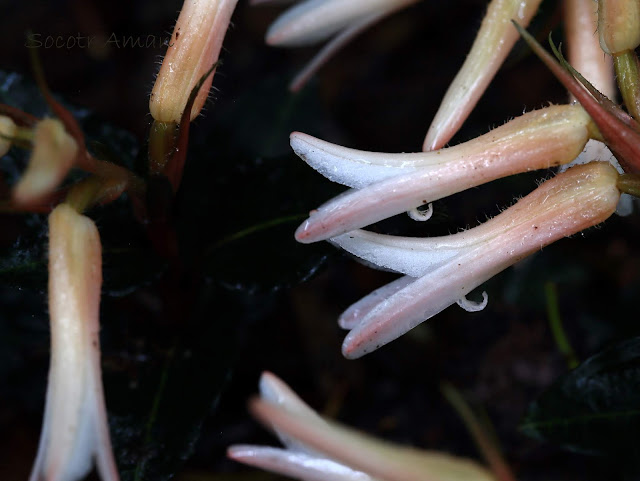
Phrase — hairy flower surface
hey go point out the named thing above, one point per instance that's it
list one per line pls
(491, 46)
(74, 429)
(440, 271)
(194, 47)
(388, 184)
(318, 449)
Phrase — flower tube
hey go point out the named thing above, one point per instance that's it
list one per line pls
(327, 450)
(443, 270)
(194, 47)
(388, 184)
(490, 48)
(74, 429)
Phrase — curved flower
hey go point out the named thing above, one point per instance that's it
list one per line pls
(53, 155)
(318, 449)
(74, 429)
(313, 21)
(440, 271)
(388, 184)
(490, 48)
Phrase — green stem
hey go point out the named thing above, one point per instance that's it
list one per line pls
(628, 78)
(485, 444)
(555, 322)
(629, 184)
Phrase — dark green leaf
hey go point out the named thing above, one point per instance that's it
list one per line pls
(595, 408)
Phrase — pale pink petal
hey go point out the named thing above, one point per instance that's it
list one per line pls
(377, 458)
(579, 198)
(354, 314)
(333, 46)
(537, 140)
(583, 46)
(490, 48)
(75, 428)
(312, 21)
(295, 464)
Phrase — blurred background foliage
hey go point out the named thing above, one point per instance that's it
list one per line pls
(183, 349)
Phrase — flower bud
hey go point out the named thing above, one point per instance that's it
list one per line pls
(7, 129)
(619, 25)
(195, 46)
(53, 154)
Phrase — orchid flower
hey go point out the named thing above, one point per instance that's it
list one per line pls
(318, 449)
(194, 47)
(312, 21)
(74, 430)
(388, 184)
(441, 271)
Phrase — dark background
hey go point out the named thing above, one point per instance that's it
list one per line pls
(264, 303)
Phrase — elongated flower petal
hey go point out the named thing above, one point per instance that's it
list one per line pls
(377, 458)
(313, 21)
(341, 453)
(448, 268)
(295, 464)
(334, 45)
(53, 154)
(75, 429)
(491, 46)
(195, 46)
(394, 183)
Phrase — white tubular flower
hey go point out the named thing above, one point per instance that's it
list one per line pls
(313, 21)
(440, 271)
(388, 184)
(54, 152)
(491, 46)
(74, 429)
(7, 130)
(194, 48)
(328, 451)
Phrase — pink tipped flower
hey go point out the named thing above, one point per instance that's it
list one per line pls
(320, 450)
(74, 430)
(441, 271)
(53, 155)
(194, 48)
(313, 21)
(490, 48)
(388, 184)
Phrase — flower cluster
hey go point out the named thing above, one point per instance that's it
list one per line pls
(75, 431)
(440, 271)
(318, 449)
